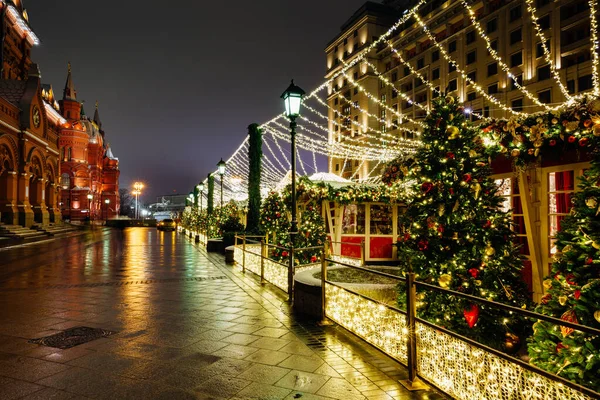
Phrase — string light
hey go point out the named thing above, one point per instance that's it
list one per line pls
(594, 39)
(498, 59)
(464, 75)
(538, 30)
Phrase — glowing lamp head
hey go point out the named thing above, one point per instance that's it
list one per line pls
(221, 165)
(89, 196)
(292, 98)
(191, 196)
(200, 187)
(106, 201)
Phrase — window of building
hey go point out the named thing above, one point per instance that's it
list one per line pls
(492, 25)
(539, 49)
(394, 94)
(355, 91)
(452, 85)
(394, 76)
(420, 63)
(435, 74)
(337, 167)
(451, 67)
(518, 79)
(493, 89)
(516, 59)
(335, 101)
(471, 57)
(544, 22)
(406, 71)
(545, 96)
(68, 154)
(355, 76)
(517, 104)
(470, 37)
(571, 86)
(65, 181)
(355, 33)
(486, 111)
(383, 98)
(418, 82)
(435, 92)
(542, 3)
(514, 13)
(494, 44)
(345, 41)
(543, 73)
(435, 55)
(516, 36)
(584, 83)
(452, 46)
(472, 77)
(471, 96)
(492, 69)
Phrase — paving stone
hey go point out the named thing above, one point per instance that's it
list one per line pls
(336, 387)
(14, 389)
(302, 381)
(262, 392)
(308, 364)
(241, 338)
(222, 386)
(52, 394)
(269, 357)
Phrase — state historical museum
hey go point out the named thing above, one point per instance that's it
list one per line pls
(54, 161)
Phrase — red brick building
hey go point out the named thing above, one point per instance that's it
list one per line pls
(89, 171)
(29, 128)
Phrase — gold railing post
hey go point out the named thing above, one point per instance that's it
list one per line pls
(244, 254)
(413, 382)
(362, 253)
(263, 254)
(323, 279)
(291, 275)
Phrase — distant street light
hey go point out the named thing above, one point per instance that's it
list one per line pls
(292, 99)
(106, 202)
(137, 186)
(200, 192)
(90, 197)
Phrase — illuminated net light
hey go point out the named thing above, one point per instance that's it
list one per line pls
(594, 39)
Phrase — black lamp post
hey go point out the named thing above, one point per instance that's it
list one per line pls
(292, 98)
(221, 165)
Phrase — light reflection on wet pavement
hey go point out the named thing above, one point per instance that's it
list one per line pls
(188, 327)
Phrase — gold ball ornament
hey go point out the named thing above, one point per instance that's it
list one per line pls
(596, 245)
(596, 130)
(444, 280)
(490, 251)
(547, 283)
(512, 343)
(562, 300)
(591, 202)
(453, 132)
(450, 100)
(597, 315)
(515, 152)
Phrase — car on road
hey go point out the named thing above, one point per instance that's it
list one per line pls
(166, 225)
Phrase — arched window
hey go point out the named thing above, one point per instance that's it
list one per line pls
(65, 181)
(62, 153)
(68, 154)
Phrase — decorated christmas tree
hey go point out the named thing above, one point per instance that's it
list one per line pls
(573, 289)
(311, 233)
(274, 219)
(454, 234)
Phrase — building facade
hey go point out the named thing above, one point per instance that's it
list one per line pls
(512, 34)
(89, 171)
(29, 128)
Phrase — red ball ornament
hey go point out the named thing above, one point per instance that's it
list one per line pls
(313, 259)
(552, 142)
(450, 155)
(423, 245)
(467, 178)
(560, 346)
(570, 278)
(577, 294)
(487, 224)
(471, 315)
(284, 253)
(406, 237)
(571, 139)
(451, 190)
(584, 142)
(426, 187)
(474, 272)
(589, 261)
(440, 228)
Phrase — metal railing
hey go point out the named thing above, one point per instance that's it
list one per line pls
(425, 347)
(252, 252)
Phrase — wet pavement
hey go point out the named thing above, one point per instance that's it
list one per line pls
(186, 326)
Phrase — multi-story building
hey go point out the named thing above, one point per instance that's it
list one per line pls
(89, 170)
(508, 25)
(29, 128)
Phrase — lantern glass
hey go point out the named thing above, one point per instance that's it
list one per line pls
(107, 201)
(201, 187)
(292, 99)
(221, 167)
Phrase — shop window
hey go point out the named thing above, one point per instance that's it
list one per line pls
(508, 190)
(381, 219)
(65, 181)
(561, 187)
(353, 221)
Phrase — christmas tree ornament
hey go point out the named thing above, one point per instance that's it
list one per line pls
(441, 209)
(577, 294)
(568, 316)
(571, 139)
(562, 300)
(546, 298)
(476, 188)
(456, 206)
(552, 142)
(426, 187)
(444, 280)
(591, 202)
(584, 142)
(471, 315)
(423, 245)
(453, 132)
(515, 152)
(597, 316)
(489, 250)
(512, 343)
(474, 272)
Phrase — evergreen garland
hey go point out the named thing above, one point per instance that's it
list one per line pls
(211, 194)
(255, 166)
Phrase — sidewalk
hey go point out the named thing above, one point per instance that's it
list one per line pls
(187, 327)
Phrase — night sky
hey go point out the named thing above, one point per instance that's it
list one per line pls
(178, 82)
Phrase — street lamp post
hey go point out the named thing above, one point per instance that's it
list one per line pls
(138, 186)
(221, 166)
(292, 98)
(106, 203)
(90, 197)
(200, 192)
